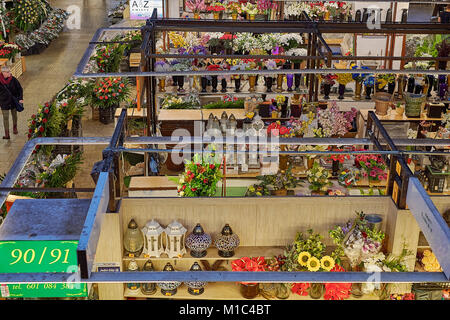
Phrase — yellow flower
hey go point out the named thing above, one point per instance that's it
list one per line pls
(313, 264)
(327, 263)
(303, 258)
(427, 253)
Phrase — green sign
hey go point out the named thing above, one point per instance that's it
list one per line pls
(40, 256)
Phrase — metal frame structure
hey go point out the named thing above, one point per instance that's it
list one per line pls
(106, 188)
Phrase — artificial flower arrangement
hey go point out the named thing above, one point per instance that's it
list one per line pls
(295, 9)
(250, 8)
(234, 7)
(162, 66)
(300, 127)
(8, 50)
(280, 181)
(359, 77)
(417, 65)
(110, 92)
(333, 122)
(290, 40)
(348, 177)
(275, 129)
(318, 178)
(356, 240)
(298, 52)
(108, 57)
(371, 165)
(383, 79)
(257, 190)
(45, 123)
(317, 10)
(252, 264)
(430, 262)
(196, 6)
(200, 176)
(328, 79)
(265, 6)
(28, 14)
(216, 7)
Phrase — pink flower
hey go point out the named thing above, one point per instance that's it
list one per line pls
(373, 173)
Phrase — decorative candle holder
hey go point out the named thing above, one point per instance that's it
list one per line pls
(148, 288)
(198, 242)
(175, 239)
(226, 242)
(153, 235)
(169, 288)
(196, 287)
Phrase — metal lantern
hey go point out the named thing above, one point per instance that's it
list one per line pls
(196, 287)
(226, 242)
(169, 288)
(148, 288)
(175, 240)
(133, 240)
(153, 236)
(133, 266)
(198, 241)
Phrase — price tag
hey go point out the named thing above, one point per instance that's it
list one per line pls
(196, 291)
(146, 256)
(4, 291)
(131, 255)
(395, 192)
(168, 294)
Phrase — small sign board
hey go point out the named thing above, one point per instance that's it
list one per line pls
(143, 9)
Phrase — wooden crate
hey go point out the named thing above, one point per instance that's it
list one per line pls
(17, 68)
(135, 59)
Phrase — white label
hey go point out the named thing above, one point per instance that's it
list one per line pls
(4, 291)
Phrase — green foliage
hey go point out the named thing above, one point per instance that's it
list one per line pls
(183, 105)
(239, 104)
(312, 243)
(64, 173)
(281, 180)
(257, 190)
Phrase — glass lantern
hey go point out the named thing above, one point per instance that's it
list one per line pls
(133, 266)
(175, 233)
(153, 246)
(226, 242)
(196, 287)
(169, 288)
(133, 240)
(148, 288)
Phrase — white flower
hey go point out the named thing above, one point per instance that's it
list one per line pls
(181, 193)
(296, 52)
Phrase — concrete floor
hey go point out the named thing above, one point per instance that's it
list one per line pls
(48, 72)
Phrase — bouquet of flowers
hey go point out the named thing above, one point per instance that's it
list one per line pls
(109, 92)
(279, 181)
(348, 177)
(372, 165)
(296, 8)
(429, 262)
(417, 65)
(45, 123)
(317, 9)
(359, 77)
(329, 79)
(356, 240)
(290, 40)
(162, 66)
(300, 52)
(108, 58)
(196, 6)
(257, 190)
(335, 122)
(216, 7)
(169, 100)
(300, 127)
(245, 41)
(318, 177)
(200, 177)
(250, 8)
(275, 129)
(28, 14)
(253, 264)
(337, 291)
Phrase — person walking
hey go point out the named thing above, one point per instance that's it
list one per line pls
(9, 85)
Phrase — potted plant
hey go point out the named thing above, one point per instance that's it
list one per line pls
(196, 6)
(107, 96)
(318, 179)
(265, 7)
(234, 8)
(280, 181)
(251, 10)
(200, 176)
(216, 8)
(254, 264)
(257, 190)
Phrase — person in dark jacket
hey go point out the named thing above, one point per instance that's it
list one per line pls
(444, 16)
(8, 82)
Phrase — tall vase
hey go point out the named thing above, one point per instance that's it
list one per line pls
(269, 83)
(430, 81)
(252, 83)
(391, 87)
(214, 83)
(358, 89)
(283, 163)
(341, 91)
(196, 15)
(249, 290)
(216, 15)
(237, 84)
(400, 86)
(279, 83)
(224, 85)
(252, 17)
(204, 83)
(411, 85)
(316, 290)
(234, 16)
(290, 81)
(368, 92)
(162, 84)
(180, 83)
(326, 91)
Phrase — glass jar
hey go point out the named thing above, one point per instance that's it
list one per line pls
(249, 290)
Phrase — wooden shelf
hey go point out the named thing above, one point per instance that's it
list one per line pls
(212, 254)
(392, 116)
(220, 291)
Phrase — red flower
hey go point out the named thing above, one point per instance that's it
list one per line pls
(301, 288)
(205, 181)
(212, 166)
(30, 130)
(41, 129)
(364, 234)
(183, 187)
(194, 189)
(46, 110)
(33, 122)
(44, 120)
(337, 291)
(101, 97)
(33, 116)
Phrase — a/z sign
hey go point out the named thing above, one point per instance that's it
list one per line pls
(143, 9)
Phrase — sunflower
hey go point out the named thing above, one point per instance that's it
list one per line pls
(327, 263)
(313, 264)
(303, 258)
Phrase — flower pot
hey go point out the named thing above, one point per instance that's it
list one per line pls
(162, 85)
(413, 104)
(341, 91)
(252, 83)
(106, 115)
(290, 81)
(264, 111)
(216, 15)
(326, 91)
(316, 290)
(237, 85)
(204, 83)
(214, 83)
(368, 92)
(358, 89)
(391, 87)
(224, 85)
(281, 192)
(180, 83)
(295, 110)
(279, 83)
(249, 290)
(234, 16)
(269, 83)
(382, 103)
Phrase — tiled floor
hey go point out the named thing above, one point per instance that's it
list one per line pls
(48, 72)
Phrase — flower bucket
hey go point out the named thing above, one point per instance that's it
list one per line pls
(382, 102)
(413, 104)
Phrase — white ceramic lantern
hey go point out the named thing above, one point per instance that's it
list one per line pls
(153, 239)
(175, 233)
